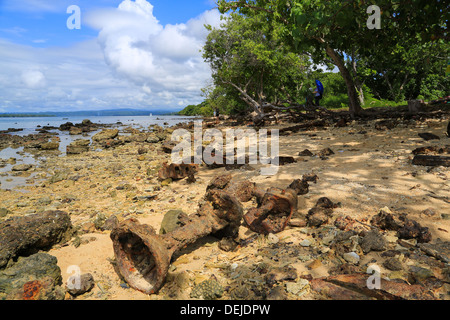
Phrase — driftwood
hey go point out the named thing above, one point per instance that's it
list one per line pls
(29, 234)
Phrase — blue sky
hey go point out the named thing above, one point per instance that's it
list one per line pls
(128, 53)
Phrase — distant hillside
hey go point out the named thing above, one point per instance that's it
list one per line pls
(100, 113)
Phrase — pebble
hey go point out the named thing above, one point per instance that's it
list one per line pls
(298, 288)
(351, 257)
(305, 243)
(272, 239)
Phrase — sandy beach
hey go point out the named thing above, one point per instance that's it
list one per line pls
(370, 169)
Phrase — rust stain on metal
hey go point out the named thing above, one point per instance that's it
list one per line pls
(31, 290)
(143, 257)
(275, 207)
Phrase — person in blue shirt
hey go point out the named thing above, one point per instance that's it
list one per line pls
(318, 92)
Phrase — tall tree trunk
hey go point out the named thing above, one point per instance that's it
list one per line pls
(358, 85)
(355, 106)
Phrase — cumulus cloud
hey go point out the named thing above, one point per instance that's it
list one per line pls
(134, 62)
(156, 57)
(33, 79)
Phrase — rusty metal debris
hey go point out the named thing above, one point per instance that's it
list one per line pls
(177, 171)
(275, 207)
(143, 257)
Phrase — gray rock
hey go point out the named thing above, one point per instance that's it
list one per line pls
(29, 234)
(106, 134)
(111, 223)
(22, 167)
(78, 286)
(393, 264)
(50, 146)
(44, 201)
(298, 288)
(78, 146)
(373, 241)
(351, 257)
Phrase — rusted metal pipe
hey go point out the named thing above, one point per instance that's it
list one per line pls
(143, 257)
(275, 207)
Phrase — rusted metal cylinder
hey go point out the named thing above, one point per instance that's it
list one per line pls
(143, 257)
(273, 214)
(276, 206)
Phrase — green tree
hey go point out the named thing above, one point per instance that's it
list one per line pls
(247, 55)
(331, 30)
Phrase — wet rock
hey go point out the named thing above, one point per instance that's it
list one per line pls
(75, 131)
(36, 277)
(66, 126)
(106, 134)
(373, 241)
(50, 146)
(78, 146)
(22, 167)
(80, 284)
(28, 234)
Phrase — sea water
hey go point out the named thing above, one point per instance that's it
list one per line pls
(30, 125)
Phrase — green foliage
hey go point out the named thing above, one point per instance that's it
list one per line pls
(202, 109)
(249, 59)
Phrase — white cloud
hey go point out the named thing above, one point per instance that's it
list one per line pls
(33, 79)
(135, 62)
(161, 58)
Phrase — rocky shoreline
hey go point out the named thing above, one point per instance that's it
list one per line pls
(386, 213)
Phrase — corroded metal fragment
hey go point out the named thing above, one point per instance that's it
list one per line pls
(143, 257)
